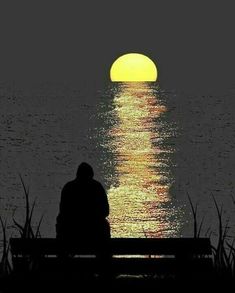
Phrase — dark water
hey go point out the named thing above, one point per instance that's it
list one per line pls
(150, 148)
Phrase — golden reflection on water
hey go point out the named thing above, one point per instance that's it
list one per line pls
(140, 201)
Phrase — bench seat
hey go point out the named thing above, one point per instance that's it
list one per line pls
(129, 256)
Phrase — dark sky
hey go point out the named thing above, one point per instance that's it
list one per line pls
(193, 44)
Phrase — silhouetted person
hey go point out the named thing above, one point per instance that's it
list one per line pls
(81, 222)
(83, 208)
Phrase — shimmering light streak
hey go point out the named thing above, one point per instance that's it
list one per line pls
(140, 201)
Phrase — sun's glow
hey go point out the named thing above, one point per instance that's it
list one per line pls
(133, 67)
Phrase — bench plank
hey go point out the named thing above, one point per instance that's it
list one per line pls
(189, 257)
(121, 265)
(118, 246)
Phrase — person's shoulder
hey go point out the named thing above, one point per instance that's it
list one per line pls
(69, 184)
(97, 184)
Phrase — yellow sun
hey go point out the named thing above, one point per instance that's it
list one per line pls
(133, 67)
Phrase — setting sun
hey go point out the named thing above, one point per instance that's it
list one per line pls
(133, 67)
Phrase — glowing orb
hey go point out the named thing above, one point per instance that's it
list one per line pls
(133, 67)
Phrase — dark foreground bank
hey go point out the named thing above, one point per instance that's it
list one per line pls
(71, 283)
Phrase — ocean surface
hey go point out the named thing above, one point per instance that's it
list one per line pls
(151, 148)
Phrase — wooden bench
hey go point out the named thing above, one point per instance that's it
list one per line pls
(131, 256)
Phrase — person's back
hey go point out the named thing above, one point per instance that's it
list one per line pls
(83, 208)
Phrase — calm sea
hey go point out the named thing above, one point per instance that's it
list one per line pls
(150, 147)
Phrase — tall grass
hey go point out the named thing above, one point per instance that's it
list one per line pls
(224, 251)
(197, 227)
(5, 267)
(26, 229)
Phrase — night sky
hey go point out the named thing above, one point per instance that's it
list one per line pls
(192, 42)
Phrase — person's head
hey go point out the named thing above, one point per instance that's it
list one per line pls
(85, 171)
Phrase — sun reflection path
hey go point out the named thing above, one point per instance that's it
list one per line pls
(140, 201)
